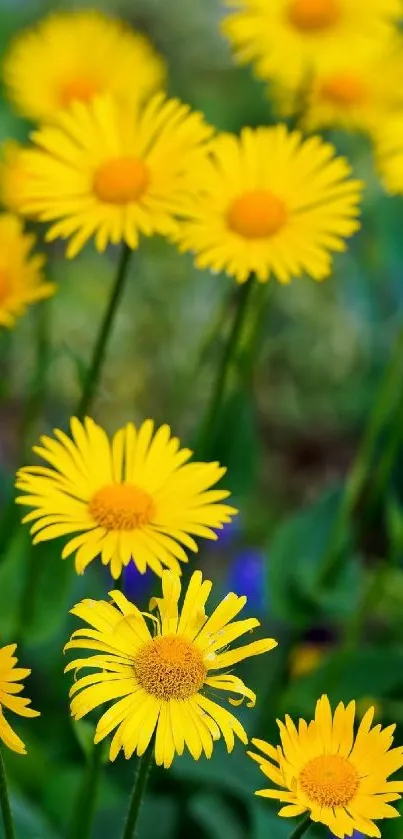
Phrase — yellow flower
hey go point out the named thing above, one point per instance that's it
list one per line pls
(341, 780)
(167, 681)
(112, 171)
(10, 676)
(132, 497)
(77, 55)
(21, 279)
(389, 154)
(12, 176)
(272, 203)
(357, 93)
(290, 39)
(305, 658)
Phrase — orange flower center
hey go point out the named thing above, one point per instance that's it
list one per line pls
(121, 180)
(170, 667)
(4, 285)
(329, 780)
(343, 89)
(121, 507)
(82, 88)
(313, 15)
(257, 214)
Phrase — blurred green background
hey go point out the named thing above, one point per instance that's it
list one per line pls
(315, 358)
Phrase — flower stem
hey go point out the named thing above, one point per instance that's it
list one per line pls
(94, 370)
(384, 405)
(231, 347)
(83, 817)
(140, 783)
(9, 832)
(301, 828)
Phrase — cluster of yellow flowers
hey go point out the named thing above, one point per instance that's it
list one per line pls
(114, 159)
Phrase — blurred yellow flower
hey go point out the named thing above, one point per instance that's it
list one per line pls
(358, 93)
(389, 154)
(290, 39)
(272, 203)
(113, 172)
(21, 278)
(305, 658)
(77, 55)
(11, 176)
(10, 677)
(134, 497)
(166, 681)
(321, 768)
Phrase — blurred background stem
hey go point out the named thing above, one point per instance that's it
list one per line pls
(84, 812)
(9, 832)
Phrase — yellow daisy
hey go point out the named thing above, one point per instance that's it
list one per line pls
(339, 779)
(11, 176)
(167, 681)
(21, 278)
(76, 55)
(112, 171)
(272, 203)
(357, 93)
(10, 676)
(132, 497)
(389, 154)
(289, 39)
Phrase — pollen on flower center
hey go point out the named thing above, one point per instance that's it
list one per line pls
(343, 89)
(313, 15)
(82, 87)
(170, 667)
(329, 780)
(256, 214)
(121, 180)
(121, 507)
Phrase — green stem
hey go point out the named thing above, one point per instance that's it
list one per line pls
(140, 783)
(94, 370)
(231, 347)
(81, 824)
(9, 832)
(301, 828)
(383, 406)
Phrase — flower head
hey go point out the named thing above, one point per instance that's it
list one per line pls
(357, 93)
(341, 780)
(290, 39)
(12, 176)
(272, 203)
(21, 278)
(112, 171)
(165, 681)
(134, 496)
(10, 677)
(76, 55)
(389, 154)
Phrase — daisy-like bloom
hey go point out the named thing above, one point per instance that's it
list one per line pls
(167, 681)
(290, 39)
(11, 176)
(358, 93)
(271, 203)
(10, 678)
(75, 56)
(132, 497)
(112, 171)
(340, 779)
(389, 154)
(21, 276)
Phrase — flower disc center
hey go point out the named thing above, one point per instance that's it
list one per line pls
(121, 180)
(313, 15)
(4, 285)
(329, 780)
(121, 507)
(82, 88)
(170, 667)
(343, 89)
(257, 214)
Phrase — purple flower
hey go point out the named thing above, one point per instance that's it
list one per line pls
(136, 586)
(247, 576)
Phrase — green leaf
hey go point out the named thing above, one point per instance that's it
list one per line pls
(215, 816)
(236, 442)
(29, 822)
